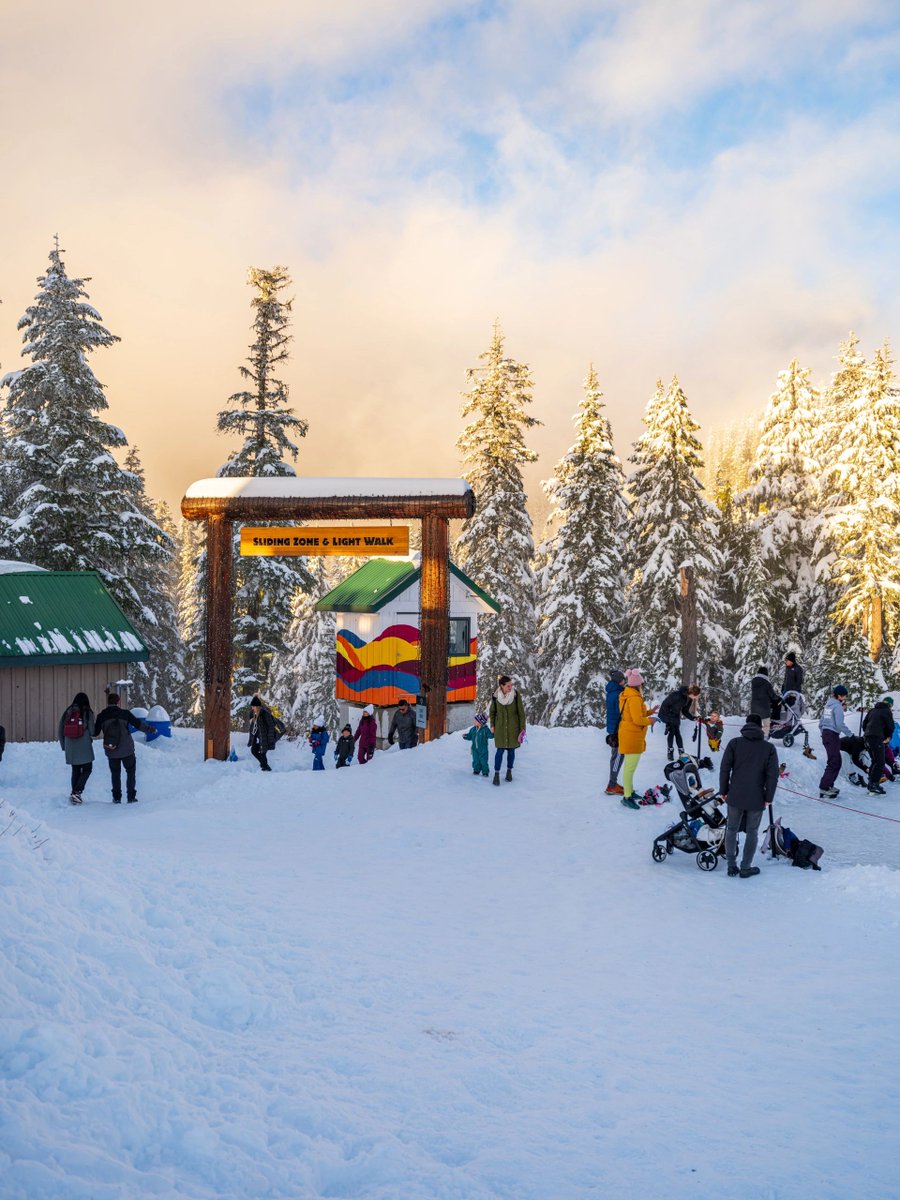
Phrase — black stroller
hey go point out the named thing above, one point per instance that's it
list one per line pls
(788, 725)
(700, 829)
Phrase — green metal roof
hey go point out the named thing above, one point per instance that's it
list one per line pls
(381, 579)
(63, 617)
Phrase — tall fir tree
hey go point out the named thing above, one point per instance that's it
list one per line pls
(264, 587)
(864, 523)
(302, 680)
(496, 545)
(672, 526)
(68, 504)
(582, 573)
(782, 498)
(753, 643)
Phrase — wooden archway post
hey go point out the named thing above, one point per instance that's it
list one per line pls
(217, 662)
(435, 628)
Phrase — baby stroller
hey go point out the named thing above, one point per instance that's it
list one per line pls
(788, 725)
(700, 829)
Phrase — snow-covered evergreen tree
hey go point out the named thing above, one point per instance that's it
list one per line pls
(582, 574)
(672, 526)
(865, 521)
(846, 660)
(753, 644)
(302, 679)
(68, 504)
(264, 587)
(496, 545)
(782, 497)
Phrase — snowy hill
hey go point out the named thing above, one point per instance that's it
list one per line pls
(399, 982)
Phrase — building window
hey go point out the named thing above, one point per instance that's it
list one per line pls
(460, 634)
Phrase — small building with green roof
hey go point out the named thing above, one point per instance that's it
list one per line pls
(378, 631)
(61, 633)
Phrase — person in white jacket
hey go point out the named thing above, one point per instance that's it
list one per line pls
(831, 726)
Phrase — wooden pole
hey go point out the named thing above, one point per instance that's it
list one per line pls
(217, 675)
(435, 603)
(688, 626)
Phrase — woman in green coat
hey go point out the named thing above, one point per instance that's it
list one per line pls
(507, 725)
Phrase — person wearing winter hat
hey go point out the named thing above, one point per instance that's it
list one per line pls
(748, 778)
(479, 735)
(343, 751)
(832, 727)
(403, 727)
(636, 718)
(614, 689)
(878, 729)
(366, 735)
(507, 720)
(262, 733)
(318, 743)
(764, 700)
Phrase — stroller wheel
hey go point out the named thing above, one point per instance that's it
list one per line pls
(788, 740)
(707, 860)
(659, 852)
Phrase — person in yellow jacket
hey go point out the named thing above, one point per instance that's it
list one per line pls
(635, 720)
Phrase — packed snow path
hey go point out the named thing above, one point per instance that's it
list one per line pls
(398, 981)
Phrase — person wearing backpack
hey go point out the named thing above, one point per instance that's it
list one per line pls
(748, 777)
(112, 724)
(76, 727)
(263, 734)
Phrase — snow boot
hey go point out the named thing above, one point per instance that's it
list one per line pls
(828, 793)
(733, 870)
(132, 799)
(630, 802)
(496, 779)
(670, 756)
(877, 790)
(808, 752)
(615, 789)
(75, 798)
(115, 801)
(508, 775)
(857, 779)
(748, 872)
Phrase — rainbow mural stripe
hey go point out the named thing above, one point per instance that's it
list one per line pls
(387, 668)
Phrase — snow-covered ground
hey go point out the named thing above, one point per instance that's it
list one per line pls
(397, 981)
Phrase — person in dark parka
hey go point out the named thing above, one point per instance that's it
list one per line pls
(79, 750)
(678, 706)
(793, 675)
(764, 700)
(878, 728)
(112, 725)
(403, 727)
(748, 778)
(614, 690)
(262, 733)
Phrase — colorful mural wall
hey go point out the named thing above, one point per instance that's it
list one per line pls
(387, 668)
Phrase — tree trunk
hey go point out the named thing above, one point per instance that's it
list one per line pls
(688, 626)
(435, 629)
(876, 626)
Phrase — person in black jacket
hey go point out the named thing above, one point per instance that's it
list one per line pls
(2, 740)
(403, 727)
(262, 732)
(112, 724)
(878, 728)
(343, 751)
(678, 706)
(793, 675)
(764, 700)
(748, 778)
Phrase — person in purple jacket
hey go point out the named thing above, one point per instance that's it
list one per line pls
(366, 734)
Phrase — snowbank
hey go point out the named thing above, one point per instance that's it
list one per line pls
(397, 981)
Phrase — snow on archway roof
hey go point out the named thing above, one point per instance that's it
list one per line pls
(295, 487)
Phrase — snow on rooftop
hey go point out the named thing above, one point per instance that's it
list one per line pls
(321, 487)
(9, 566)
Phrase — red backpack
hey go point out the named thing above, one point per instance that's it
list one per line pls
(74, 726)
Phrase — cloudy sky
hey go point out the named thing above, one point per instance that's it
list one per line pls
(657, 186)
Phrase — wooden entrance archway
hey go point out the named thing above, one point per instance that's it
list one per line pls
(222, 502)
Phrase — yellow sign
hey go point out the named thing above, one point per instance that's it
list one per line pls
(373, 540)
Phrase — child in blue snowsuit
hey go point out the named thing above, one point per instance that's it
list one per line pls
(318, 742)
(479, 735)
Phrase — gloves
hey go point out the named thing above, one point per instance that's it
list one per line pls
(522, 738)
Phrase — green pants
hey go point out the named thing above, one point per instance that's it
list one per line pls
(631, 762)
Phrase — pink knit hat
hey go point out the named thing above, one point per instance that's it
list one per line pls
(634, 678)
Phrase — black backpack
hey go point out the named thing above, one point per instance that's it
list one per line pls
(279, 727)
(112, 733)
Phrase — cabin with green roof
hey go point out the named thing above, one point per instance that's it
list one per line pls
(379, 616)
(61, 633)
